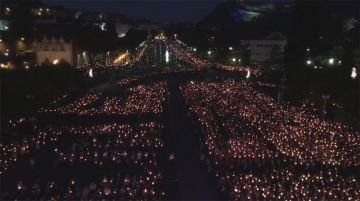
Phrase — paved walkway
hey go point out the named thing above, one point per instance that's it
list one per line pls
(191, 180)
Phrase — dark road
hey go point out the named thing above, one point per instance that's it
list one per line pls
(193, 182)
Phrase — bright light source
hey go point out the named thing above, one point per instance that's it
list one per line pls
(22, 38)
(353, 73)
(6, 54)
(26, 67)
(209, 53)
(248, 74)
(194, 49)
(8, 9)
(84, 53)
(315, 67)
(6, 27)
(102, 26)
(167, 56)
(121, 58)
(331, 61)
(230, 48)
(308, 49)
(0, 40)
(56, 61)
(239, 60)
(121, 35)
(308, 62)
(234, 59)
(339, 62)
(91, 73)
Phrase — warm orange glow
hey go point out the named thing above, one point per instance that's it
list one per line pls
(6, 66)
(121, 58)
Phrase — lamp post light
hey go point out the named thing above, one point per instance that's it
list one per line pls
(325, 98)
(308, 62)
(353, 73)
(167, 56)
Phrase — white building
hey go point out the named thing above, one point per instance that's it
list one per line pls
(263, 51)
(54, 49)
(121, 29)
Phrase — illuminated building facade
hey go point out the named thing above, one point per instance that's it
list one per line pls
(266, 50)
(54, 49)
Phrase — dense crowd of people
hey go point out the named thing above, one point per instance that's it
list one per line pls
(138, 100)
(182, 53)
(118, 161)
(129, 152)
(247, 133)
(255, 148)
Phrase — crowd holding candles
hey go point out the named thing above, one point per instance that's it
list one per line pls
(138, 100)
(119, 160)
(256, 148)
(261, 150)
(189, 57)
(129, 151)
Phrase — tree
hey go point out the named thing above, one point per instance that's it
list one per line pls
(132, 39)
(94, 41)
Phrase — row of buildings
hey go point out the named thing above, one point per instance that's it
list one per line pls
(54, 30)
(264, 50)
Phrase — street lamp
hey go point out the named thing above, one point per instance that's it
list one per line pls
(248, 73)
(353, 73)
(308, 62)
(331, 61)
(167, 59)
(234, 59)
(230, 48)
(91, 74)
(56, 61)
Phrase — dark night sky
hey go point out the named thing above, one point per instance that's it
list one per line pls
(159, 10)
